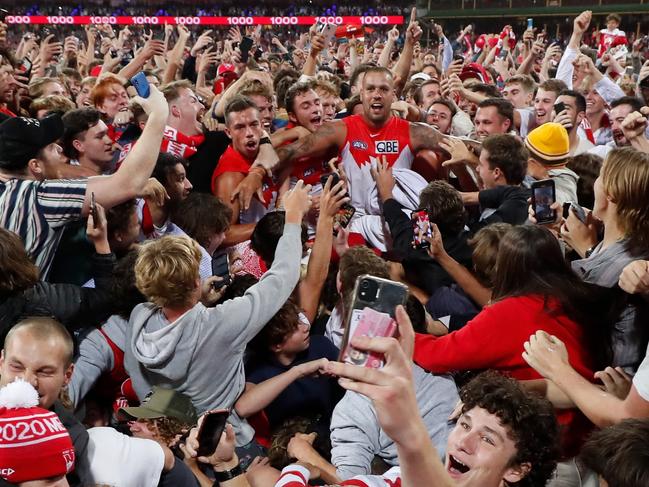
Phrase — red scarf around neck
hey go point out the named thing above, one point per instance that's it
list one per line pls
(173, 142)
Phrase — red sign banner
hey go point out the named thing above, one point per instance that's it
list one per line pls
(225, 21)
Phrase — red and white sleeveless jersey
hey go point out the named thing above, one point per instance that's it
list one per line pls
(365, 145)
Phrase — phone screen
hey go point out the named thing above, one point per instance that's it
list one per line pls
(559, 107)
(344, 215)
(422, 231)
(25, 67)
(220, 265)
(210, 432)
(543, 196)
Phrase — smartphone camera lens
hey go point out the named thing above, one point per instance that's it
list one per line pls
(368, 290)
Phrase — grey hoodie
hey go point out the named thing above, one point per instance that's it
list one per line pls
(356, 436)
(200, 354)
(565, 184)
(95, 356)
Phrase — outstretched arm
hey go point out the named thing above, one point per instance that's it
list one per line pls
(549, 357)
(424, 136)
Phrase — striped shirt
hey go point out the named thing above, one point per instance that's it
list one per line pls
(299, 476)
(38, 211)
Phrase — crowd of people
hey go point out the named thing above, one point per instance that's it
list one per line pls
(185, 217)
(205, 8)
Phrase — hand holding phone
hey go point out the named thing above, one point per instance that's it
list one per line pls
(370, 323)
(371, 314)
(543, 197)
(210, 431)
(141, 84)
(576, 209)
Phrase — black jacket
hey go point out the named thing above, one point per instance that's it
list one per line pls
(74, 306)
(203, 163)
(421, 269)
(509, 203)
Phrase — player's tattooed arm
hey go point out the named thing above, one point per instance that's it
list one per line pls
(424, 136)
(329, 138)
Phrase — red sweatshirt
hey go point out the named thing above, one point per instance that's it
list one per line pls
(494, 340)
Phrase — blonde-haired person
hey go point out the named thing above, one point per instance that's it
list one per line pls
(176, 341)
(622, 208)
(41, 107)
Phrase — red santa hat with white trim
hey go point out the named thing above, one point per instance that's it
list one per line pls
(34, 444)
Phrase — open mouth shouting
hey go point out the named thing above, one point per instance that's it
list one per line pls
(456, 468)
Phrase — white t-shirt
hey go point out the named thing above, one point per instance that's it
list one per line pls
(641, 378)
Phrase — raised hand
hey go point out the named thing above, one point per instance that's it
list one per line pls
(413, 32)
(582, 21)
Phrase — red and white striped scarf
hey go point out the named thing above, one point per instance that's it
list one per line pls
(180, 144)
(173, 142)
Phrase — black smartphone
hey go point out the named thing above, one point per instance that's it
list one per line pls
(559, 107)
(46, 31)
(141, 84)
(210, 431)
(93, 210)
(3, 13)
(543, 196)
(576, 209)
(422, 231)
(381, 296)
(325, 177)
(244, 47)
(221, 268)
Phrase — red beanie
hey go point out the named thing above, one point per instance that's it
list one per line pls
(34, 444)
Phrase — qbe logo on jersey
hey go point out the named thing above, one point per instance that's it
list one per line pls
(386, 146)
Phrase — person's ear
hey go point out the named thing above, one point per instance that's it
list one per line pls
(175, 111)
(517, 473)
(498, 174)
(78, 145)
(339, 283)
(292, 117)
(68, 374)
(228, 133)
(35, 168)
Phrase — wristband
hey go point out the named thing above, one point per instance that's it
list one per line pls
(264, 140)
(227, 475)
(261, 173)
